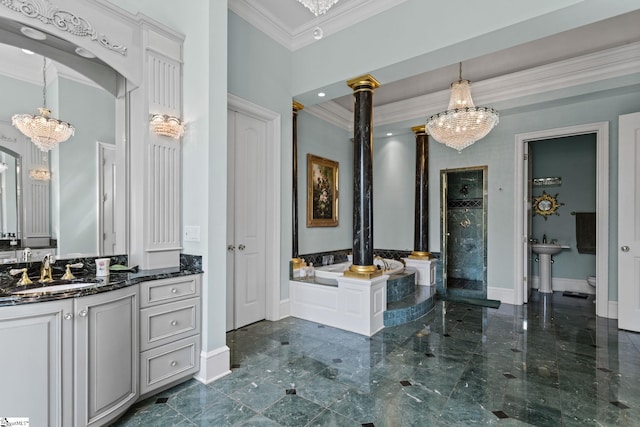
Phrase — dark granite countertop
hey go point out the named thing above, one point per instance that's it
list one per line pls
(189, 265)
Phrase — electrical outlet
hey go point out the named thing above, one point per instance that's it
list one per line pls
(191, 233)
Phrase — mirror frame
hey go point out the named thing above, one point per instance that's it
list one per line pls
(546, 204)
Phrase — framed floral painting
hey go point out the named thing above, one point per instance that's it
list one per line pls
(322, 192)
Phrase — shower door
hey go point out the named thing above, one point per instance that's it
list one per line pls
(464, 231)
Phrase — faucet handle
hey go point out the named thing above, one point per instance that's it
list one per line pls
(68, 275)
(24, 280)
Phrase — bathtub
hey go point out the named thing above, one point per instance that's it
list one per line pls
(334, 271)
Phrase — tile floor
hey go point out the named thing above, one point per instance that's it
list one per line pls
(549, 363)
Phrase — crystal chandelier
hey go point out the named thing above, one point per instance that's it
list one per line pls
(463, 123)
(318, 7)
(44, 131)
(165, 125)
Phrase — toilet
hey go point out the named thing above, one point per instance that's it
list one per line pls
(591, 280)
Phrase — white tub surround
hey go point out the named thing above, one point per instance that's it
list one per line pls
(426, 269)
(333, 271)
(355, 305)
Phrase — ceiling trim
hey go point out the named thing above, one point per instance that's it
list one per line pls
(294, 38)
(587, 69)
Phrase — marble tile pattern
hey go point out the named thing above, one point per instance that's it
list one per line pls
(189, 264)
(548, 363)
(401, 285)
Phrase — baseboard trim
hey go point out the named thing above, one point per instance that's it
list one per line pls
(560, 284)
(285, 308)
(503, 295)
(214, 365)
(613, 310)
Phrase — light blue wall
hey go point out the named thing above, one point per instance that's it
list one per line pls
(497, 151)
(574, 160)
(319, 138)
(77, 163)
(394, 192)
(260, 72)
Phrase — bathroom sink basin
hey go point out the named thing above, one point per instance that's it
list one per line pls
(67, 287)
(547, 248)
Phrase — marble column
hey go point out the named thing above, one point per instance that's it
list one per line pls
(421, 207)
(295, 260)
(362, 265)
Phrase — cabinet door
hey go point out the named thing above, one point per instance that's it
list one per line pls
(36, 362)
(106, 349)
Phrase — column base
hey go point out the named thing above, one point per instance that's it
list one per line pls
(420, 255)
(426, 269)
(365, 272)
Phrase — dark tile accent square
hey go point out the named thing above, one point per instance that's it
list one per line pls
(235, 366)
(285, 343)
(430, 355)
(509, 375)
(162, 400)
(405, 383)
(594, 346)
(458, 320)
(291, 391)
(446, 335)
(515, 350)
(368, 425)
(337, 360)
(619, 405)
(500, 414)
(320, 326)
(605, 370)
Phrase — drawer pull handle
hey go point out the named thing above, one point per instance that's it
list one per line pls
(174, 363)
(174, 322)
(174, 290)
(83, 313)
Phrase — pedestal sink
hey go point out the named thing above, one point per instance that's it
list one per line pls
(544, 251)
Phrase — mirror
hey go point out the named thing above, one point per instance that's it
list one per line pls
(546, 205)
(81, 168)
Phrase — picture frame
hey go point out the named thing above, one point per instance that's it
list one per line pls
(322, 192)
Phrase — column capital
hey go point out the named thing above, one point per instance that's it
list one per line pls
(419, 130)
(297, 106)
(365, 81)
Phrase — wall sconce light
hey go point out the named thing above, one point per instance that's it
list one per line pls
(163, 124)
(40, 174)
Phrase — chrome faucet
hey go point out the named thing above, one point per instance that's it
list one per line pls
(45, 269)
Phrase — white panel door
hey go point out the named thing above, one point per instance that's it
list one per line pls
(250, 219)
(629, 223)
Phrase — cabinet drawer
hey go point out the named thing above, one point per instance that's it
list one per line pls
(169, 322)
(167, 290)
(166, 364)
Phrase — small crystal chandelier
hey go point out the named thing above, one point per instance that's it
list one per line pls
(44, 131)
(165, 125)
(318, 7)
(463, 123)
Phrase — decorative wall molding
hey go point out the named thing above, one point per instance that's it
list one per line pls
(559, 284)
(503, 295)
(47, 13)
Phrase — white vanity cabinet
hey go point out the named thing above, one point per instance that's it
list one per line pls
(169, 331)
(105, 355)
(71, 362)
(36, 362)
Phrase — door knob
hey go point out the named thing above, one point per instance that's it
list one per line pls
(241, 247)
(624, 248)
(231, 248)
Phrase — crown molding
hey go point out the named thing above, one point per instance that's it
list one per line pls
(586, 69)
(351, 12)
(259, 18)
(332, 113)
(551, 78)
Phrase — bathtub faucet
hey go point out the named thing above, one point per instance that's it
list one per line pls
(384, 262)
